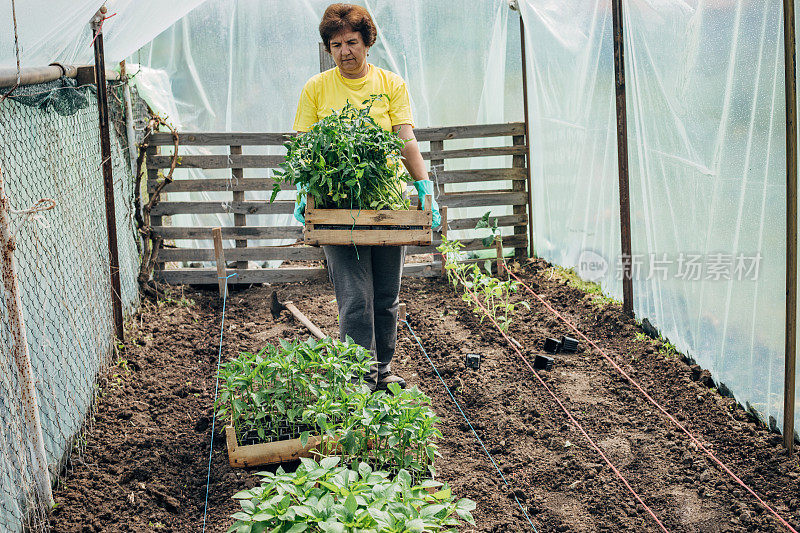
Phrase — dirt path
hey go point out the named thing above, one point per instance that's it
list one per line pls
(145, 463)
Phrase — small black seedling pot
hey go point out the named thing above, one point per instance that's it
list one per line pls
(552, 345)
(473, 360)
(568, 344)
(542, 362)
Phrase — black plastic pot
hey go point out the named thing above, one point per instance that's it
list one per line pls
(568, 344)
(473, 360)
(552, 345)
(542, 362)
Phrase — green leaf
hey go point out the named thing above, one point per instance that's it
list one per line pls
(350, 504)
(329, 462)
(304, 438)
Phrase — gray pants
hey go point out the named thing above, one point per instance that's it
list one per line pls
(367, 291)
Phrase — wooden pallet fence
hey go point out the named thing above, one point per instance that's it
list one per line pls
(241, 230)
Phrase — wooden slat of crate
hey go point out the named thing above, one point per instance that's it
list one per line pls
(368, 217)
(268, 453)
(278, 139)
(368, 237)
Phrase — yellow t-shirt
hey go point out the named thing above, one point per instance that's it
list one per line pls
(329, 91)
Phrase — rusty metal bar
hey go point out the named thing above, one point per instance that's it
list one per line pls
(20, 353)
(791, 224)
(622, 156)
(108, 176)
(528, 158)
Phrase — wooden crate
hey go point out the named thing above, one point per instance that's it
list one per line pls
(346, 226)
(267, 453)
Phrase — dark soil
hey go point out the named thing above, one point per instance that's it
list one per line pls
(145, 463)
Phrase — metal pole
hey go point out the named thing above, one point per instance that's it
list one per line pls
(622, 156)
(108, 177)
(20, 353)
(527, 133)
(791, 224)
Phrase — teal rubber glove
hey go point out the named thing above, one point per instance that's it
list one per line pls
(425, 187)
(300, 205)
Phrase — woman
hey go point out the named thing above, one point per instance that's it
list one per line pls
(367, 282)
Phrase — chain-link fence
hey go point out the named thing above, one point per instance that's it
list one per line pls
(53, 151)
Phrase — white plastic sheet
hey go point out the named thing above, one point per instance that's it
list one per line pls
(707, 171)
(58, 30)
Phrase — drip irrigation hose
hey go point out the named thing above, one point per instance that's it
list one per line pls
(563, 408)
(216, 391)
(680, 426)
(489, 455)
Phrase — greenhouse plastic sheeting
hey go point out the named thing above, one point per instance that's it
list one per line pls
(58, 30)
(240, 66)
(705, 106)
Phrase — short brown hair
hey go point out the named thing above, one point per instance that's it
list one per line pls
(344, 17)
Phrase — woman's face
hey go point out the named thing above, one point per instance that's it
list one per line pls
(349, 53)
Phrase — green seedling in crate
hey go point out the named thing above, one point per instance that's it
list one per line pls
(265, 394)
(390, 431)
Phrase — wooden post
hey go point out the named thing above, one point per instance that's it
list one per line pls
(443, 211)
(238, 196)
(527, 135)
(791, 224)
(326, 61)
(518, 161)
(622, 159)
(21, 355)
(108, 172)
(219, 256)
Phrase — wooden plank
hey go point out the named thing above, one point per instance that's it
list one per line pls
(469, 132)
(250, 207)
(480, 175)
(518, 161)
(284, 207)
(411, 217)
(274, 161)
(219, 185)
(217, 161)
(219, 258)
(480, 199)
(266, 184)
(502, 221)
(231, 232)
(203, 276)
(222, 139)
(367, 237)
(437, 165)
(251, 253)
(277, 139)
(473, 152)
(511, 241)
(239, 220)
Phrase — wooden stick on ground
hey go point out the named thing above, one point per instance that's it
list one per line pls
(318, 333)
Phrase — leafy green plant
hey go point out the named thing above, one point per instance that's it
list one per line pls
(331, 498)
(265, 394)
(346, 161)
(389, 430)
(484, 223)
(494, 294)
